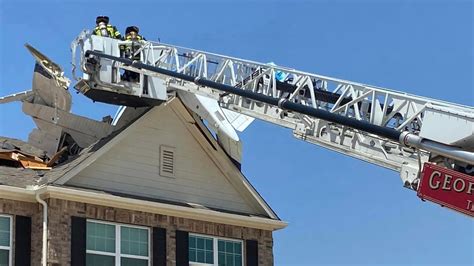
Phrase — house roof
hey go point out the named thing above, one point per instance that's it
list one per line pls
(19, 177)
(22, 178)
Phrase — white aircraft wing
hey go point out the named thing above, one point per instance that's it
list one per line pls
(19, 96)
(209, 110)
(239, 121)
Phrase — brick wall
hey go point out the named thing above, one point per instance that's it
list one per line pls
(34, 211)
(59, 228)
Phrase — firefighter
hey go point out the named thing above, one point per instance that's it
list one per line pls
(131, 34)
(103, 28)
(129, 51)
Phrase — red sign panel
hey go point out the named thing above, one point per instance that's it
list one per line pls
(447, 187)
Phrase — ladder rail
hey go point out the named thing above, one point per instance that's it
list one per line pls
(406, 105)
(317, 76)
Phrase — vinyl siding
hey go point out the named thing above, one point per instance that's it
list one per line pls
(132, 166)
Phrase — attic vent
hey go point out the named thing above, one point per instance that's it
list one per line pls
(167, 161)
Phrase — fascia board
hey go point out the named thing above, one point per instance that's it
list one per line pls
(103, 199)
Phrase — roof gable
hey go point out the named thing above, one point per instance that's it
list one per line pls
(204, 175)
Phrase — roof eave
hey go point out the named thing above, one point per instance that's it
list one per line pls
(114, 201)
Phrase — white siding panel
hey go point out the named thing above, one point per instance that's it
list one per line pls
(164, 194)
(164, 183)
(132, 167)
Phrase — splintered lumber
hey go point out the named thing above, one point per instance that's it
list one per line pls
(32, 163)
(25, 160)
(9, 155)
(56, 156)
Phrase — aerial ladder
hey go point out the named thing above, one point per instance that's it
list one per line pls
(419, 137)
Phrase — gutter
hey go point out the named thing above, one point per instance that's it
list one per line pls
(104, 199)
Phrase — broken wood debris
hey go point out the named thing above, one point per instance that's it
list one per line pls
(19, 158)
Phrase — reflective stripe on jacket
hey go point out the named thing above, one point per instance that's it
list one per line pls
(128, 50)
(111, 30)
(129, 38)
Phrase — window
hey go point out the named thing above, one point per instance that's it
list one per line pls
(206, 250)
(5, 240)
(201, 249)
(116, 244)
(230, 252)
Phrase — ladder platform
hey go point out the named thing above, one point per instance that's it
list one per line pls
(99, 94)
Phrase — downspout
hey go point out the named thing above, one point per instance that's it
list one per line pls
(45, 227)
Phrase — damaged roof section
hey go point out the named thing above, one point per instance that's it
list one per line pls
(12, 171)
(14, 174)
(16, 153)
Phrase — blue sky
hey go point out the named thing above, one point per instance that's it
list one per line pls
(340, 210)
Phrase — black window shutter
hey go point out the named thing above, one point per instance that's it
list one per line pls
(159, 246)
(251, 253)
(22, 240)
(182, 248)
(78, 241)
